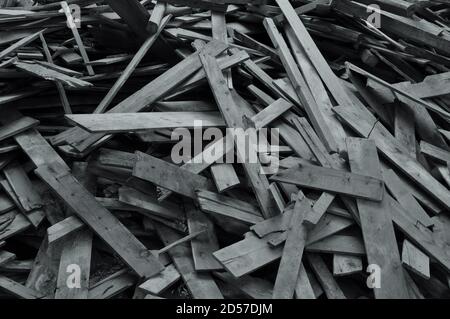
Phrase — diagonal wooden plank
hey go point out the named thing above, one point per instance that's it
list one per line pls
(102, 222)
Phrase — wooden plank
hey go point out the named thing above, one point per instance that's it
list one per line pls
(150, 204)
(220, 33)
(164, 174)
(270, 113)
(68, 12)
(102, 222)
(396, 154)
(317, 88)
(18, 126)
(253, 287)
(288, 271)
(131, 67)
(150, 93)
(205, 244)
(52, 75)
(162, 281)
(61, 229)
(301, 87)
(17, 290)
(77, 249)
(303, 289)
(233, 118)
(415, 260)
(399, 91)
(434, 152)
(323, 69)
(133, 14)
(215, 204)
(6, 256)
(344, 265)
(339, 244)
(23, 42)
(134, 122)
(376, 224)
(332, 180)
(405, 198)
(200, 285)
(328, 283)
(112, 286)
(252, 253)
(27, 196)
(224, 177)
(405, 129)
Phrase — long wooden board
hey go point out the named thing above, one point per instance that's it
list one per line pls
(332, 180)
(102, 222)
(376, 224)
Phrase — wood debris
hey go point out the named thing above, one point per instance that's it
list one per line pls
(225, 149)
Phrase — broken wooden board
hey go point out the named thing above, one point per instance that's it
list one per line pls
(135, 122)
(102, 223)
(376, 224)
(163, 174)
(415, 260)
(331, 180)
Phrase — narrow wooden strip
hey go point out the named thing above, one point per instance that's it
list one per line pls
(18, 126)
(18, 290)
(234, 118)
(332, 180)
(125, 75)
(164, 174)
(328, 283)
(200, 285)
(415, 260)
(291, 257)
(205, 244)
(131, 122)
(102, 221)
(68, 12)
(162, 281)
(224, 177)
(344, 265)
(376, 224)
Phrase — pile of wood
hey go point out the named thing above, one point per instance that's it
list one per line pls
(93, 205)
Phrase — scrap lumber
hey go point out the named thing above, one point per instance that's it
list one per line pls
(126, 245)
(133, 122)
(377, 227)
(332, 180)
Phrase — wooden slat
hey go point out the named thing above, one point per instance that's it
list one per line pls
(132, 122)
(164, 174)
(376, 224)
(344, 265)
(102, 221)
(162, 281)
(415, 260)
(301, 87)
(224, 177)
(288, 271)
(205, 244)
(17, 290)
(332, 180)
(395, 153)
(234, 118)
(200, 285)
(328, 283)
